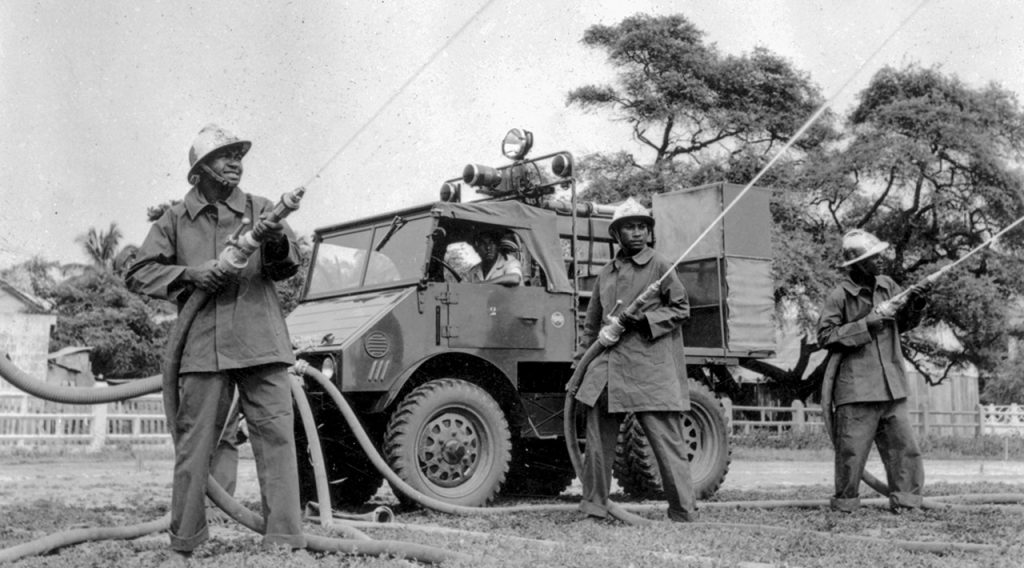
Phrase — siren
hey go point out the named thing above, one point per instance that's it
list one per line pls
(451, 192)
(561, 165)
(481, 176)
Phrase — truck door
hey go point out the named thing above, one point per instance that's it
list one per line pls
(491, 316)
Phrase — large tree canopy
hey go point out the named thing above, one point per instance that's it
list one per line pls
(687, 102)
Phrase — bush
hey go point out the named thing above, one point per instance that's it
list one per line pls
(796, 439)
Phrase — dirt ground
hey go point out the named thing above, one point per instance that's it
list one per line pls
(41, 496)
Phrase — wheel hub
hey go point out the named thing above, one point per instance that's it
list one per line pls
(450, 449)
(453, 452)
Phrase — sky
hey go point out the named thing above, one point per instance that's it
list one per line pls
(373, 104)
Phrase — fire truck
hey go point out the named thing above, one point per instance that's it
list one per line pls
(461, 386)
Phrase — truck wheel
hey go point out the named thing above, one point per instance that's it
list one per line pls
(449, 440)
(539, 467)
(707, 437)
(351, 476)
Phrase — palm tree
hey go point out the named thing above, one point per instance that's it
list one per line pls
(102, 247)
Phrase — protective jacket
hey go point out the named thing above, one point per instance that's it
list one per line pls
(243, 325)
(871, 368)
(646, 370)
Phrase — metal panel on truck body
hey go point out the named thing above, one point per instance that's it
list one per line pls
(728, 272)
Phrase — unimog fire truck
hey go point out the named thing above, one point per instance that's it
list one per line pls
(461, 385)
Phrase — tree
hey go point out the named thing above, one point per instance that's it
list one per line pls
(102, 248)
(36, 276)
(689, 104)
(126, 332)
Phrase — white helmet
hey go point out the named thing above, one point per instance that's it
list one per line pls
(859, 244)
(629, 210)
(210, 139)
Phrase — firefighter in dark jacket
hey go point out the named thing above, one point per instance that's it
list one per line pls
(870, 387)
(643, 373)
(238, 339)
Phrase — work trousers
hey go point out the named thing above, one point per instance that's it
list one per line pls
(887, 423)
(664, 431)
(265, 400)
(224, 465)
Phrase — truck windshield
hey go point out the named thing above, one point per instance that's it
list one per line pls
(348, 261)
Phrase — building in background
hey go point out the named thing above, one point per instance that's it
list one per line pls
(25, 326)
(70, 367)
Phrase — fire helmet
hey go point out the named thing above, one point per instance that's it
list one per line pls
(210, 139)
(859, 244)
(629, 210)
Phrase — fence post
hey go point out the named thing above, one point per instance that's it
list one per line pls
(924, 420)
(980, 431)
(799, 415)
(99, 427)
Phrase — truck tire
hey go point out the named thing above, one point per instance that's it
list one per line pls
(450, 440)
(351, 476)
(539, 468)
(707, 436)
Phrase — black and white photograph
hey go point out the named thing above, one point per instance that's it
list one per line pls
(494, 283)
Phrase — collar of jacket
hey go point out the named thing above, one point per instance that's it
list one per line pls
(853, 289)
(195, 202)
(641, 258)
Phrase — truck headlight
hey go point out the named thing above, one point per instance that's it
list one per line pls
(327, 367)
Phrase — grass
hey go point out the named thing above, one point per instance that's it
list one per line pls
(806, 537)
(814, 443)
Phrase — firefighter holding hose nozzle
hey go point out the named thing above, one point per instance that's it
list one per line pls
(860, 322)
(238, 338)
(642, 370)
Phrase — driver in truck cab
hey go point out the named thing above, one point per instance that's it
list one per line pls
(495, 266)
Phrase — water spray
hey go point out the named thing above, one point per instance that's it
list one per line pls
(889, 307)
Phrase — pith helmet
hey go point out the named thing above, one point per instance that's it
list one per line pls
(859, 244)
(210, 139)
(630, 210)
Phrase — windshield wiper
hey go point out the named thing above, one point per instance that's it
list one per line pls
(397, 223)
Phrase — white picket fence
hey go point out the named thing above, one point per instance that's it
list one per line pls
(28, 421)
(983, 420)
